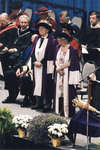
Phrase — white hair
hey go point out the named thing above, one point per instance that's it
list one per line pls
(4, 16)
(24, 16)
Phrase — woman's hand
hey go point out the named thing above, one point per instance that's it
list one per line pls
(67, 64)
(37, 64)
(33, 37)
(58, 69)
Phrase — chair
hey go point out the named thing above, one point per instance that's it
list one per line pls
(78, 21)
(88, 68)
(28, 11)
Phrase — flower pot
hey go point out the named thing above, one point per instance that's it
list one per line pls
(56, 142)
(21, 132)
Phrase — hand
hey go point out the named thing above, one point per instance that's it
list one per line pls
(92, 76)
(61, 73)
(22, 74)
(5, 49)
(67, 64)
(84, 46)
(18, 72)
(33, 37)
(1, 44)
(58, 69)
(37, 64)
(11, 50)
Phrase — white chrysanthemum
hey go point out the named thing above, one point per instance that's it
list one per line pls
(58, 130)
(22, 120)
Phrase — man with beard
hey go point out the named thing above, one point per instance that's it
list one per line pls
(92, 44)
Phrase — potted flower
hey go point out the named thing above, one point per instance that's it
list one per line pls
(7, 127)
(37, 131)
(57, 132)
(22, 123)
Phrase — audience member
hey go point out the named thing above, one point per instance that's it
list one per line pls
(16, 12)
(43, 15)
(64, 17)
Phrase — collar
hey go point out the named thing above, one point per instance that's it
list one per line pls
(24, 32)
(45, 36)
(96, 26)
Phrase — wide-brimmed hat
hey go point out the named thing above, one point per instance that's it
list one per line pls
(41, 11)
(16, 5)
(64, 36)
(45, 24)
(72, 28)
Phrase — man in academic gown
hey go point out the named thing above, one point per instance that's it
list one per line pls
(92, 43)
(16, 59)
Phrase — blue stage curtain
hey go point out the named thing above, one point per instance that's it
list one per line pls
(87, 5)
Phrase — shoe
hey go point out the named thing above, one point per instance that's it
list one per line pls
(46, 110)
(70, 137)
(36, 107)
(25, 102)
(8, 100)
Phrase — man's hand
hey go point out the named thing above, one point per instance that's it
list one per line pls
(1, 44)
(18, 72)
(11, 50)
(92, 76)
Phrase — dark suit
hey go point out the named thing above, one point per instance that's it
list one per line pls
(21, 43)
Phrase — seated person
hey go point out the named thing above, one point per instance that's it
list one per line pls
(16, 60)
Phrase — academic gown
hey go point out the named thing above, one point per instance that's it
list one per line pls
(71, 78)
(21, 43)
(48, 61)
(8, 35)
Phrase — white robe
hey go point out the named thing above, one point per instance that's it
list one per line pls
(39, 54)
(64, 88)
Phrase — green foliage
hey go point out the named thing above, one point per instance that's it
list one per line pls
(7, 128)
(38, 128)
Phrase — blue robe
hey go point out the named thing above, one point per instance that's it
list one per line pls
(78, 124)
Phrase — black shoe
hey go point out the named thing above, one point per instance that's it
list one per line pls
(70, 137)
(36, 107)
(25, 102)
(32, 100)
(46, 110)
(8, 100)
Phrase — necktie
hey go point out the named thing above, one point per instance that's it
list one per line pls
(41, 41)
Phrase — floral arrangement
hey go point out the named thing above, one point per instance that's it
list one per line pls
(38, 128)
(22, 121)
(57, 130)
